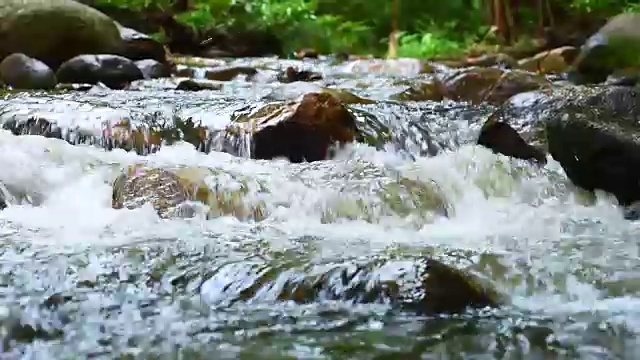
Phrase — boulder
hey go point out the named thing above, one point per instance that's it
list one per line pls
(228, 73)
(172, 192)
(139, 46)
(593, 132)
(22, 72)
(491, 85)
(614, 46)
(302, 130)
(54, 31)
(114, 71)
(549, 62)
(153, 69)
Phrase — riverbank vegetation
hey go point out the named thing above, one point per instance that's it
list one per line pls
(424, 28)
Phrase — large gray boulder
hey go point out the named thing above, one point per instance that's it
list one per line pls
(54, 31)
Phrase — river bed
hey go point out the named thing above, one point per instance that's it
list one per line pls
(105, 283)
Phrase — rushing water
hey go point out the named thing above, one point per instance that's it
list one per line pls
(104, 283)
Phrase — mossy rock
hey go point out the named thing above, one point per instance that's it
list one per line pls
(54, 31)
(170, 189)
(615, 46)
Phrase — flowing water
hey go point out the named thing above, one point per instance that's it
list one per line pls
(102, 283)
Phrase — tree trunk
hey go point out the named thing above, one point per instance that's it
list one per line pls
(392, 51)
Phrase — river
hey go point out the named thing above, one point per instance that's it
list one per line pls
(104, 283)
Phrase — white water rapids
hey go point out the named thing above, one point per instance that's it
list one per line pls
(531, 217)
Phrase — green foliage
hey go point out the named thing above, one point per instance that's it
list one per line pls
(429, 27)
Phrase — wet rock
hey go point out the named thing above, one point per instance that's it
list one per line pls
(423, 285)
(152, 69)
(228, 73)
(595, 139)
(22, 72)
(198, 85)
(592, 132)
(114, 71)
(183, 71)
(491, 85)
(291, 74)
(306, 54)
(302, 130)
(549, 62)
(147, 138)
(138, 46)
(138, 185)
(632, 212)
(487, 60)
(502, 138)
(292, 91)
(428, 90)
(33, 126)
(172, 191)
(55, 31)
(615, 46)
(74, 87)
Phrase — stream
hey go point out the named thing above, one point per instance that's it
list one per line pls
(79, 279)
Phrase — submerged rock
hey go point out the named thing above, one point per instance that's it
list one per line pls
(614, 47)
(112, 70)
(424, 285)
(171, 190)
(303, 130)
(22, 72)
(54, 31)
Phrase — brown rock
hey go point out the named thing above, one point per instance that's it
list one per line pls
(139, 185)
(423, 91)
(303, 130)
(184, 71)
(490, 85)
(168, 190)
(146, 139)
(306, 54)
(551, 61)
(228, 73)
(292, 74)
